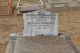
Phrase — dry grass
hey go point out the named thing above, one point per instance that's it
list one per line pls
(8, 24)
(69, 22)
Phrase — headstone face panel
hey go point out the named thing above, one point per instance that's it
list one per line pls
(40, 23)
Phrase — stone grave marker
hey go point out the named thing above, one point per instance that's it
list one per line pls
(40, 22)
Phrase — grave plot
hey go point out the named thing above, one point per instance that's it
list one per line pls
(41, 44)
(35, 26)
(39, 38)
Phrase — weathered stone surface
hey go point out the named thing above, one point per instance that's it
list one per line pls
(42, 44)
(78, 47)
(40, 23)
(10, 46)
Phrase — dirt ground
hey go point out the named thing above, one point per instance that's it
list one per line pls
(9, 24)
(68, 22)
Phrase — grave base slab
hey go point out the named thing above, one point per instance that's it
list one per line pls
(39, 44)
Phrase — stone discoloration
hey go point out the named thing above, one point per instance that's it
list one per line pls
(42, 44)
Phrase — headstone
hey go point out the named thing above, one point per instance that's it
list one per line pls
(40, 23)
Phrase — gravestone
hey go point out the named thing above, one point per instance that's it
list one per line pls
(40, 22)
